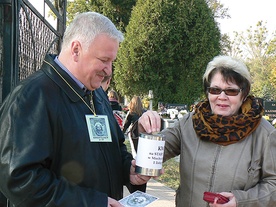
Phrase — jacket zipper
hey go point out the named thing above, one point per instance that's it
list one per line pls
(218, 150)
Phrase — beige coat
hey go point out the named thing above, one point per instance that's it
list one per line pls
(247, 168)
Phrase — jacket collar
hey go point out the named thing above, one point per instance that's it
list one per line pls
(66, 83)
(50, 67)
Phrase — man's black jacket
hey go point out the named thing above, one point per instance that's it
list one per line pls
(47, 158)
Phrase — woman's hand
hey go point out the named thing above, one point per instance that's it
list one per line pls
(230, 203)
(149, 122)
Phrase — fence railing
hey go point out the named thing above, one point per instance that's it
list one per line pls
(27, 34)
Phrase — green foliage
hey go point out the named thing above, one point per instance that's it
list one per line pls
(272, 79)
(218, 9)
(229, 47)
(257, 49)
(171, 176)
(167, 46)
(118, 11)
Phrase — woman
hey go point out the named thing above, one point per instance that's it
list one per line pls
(225, 145)
(135, 111)
(114, 100)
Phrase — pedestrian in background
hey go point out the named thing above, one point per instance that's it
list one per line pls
(114, 100)
(116, 107)
(135, 111)
(225, 145)
(106, 82)
(50, 154)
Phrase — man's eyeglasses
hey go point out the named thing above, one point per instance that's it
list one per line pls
(228, 92)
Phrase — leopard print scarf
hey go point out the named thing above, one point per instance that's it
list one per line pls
(225, 130)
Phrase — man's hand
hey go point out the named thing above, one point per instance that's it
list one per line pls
(113, 203)
(149, 122)
(137, 179)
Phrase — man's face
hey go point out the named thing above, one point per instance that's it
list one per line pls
(96, 62)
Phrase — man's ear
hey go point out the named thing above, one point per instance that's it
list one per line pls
(108, 81)
(75, 50)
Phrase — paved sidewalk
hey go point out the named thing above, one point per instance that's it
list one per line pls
(165, 194)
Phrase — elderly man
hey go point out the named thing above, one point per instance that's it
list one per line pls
(48, 155)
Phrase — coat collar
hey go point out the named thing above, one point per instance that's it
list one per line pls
(66, 83)
(72, 90)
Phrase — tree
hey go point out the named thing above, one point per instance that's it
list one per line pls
(272, 63)
(118, 11)
(167, 46)
(272, 78)
(218, 9)
(259, 55)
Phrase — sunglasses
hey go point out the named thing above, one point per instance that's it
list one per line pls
(228, 92)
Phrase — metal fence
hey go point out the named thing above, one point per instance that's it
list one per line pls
(26, 36)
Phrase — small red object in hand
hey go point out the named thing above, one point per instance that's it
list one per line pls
(210, 198)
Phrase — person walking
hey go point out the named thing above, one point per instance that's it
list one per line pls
(135, 111)
(225, 145)
(50, 152)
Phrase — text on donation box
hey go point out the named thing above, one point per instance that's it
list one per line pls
(150, 153)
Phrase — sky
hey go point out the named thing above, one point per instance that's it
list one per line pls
(246, 13)
(39, 5)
